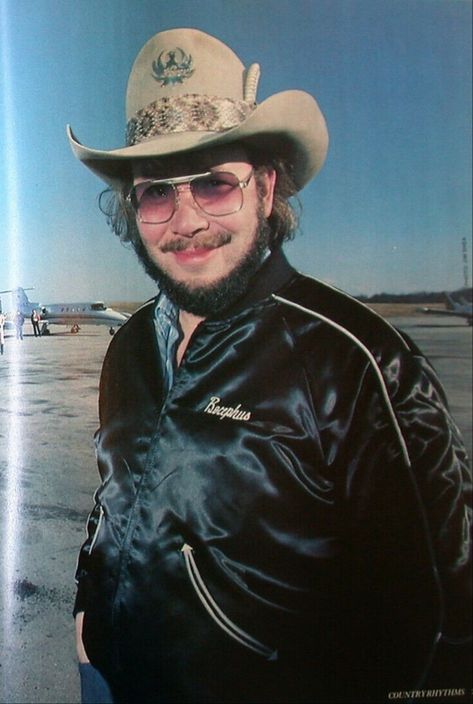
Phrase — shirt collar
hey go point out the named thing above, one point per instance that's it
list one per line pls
(166, 309)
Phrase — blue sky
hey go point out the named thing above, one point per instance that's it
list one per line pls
(393, 77)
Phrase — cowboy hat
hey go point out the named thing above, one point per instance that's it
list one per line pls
(187, 91)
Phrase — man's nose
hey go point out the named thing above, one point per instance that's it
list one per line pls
(188, 218)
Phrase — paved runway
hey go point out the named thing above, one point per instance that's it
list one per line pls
(48, 414)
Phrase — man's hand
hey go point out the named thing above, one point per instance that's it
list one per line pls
(81, 654)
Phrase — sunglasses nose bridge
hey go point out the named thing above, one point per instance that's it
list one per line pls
(178, 189)
(182, 187)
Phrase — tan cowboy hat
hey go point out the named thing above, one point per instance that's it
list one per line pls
(187, 91)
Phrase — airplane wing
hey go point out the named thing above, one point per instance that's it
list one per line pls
(445, 311)
(438, 311)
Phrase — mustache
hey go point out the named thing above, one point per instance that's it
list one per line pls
(213, 241)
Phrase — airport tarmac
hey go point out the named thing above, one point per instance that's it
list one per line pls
(48, 414)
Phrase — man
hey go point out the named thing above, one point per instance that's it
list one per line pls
(282, 515)
(19, 322)
(2, 332)
(35, 318)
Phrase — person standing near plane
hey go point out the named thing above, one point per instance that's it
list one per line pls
(19, 322)
(35, 318)
(2, 332)
(283, 514)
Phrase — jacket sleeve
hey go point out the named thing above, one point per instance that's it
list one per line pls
(95, 517)
(93, 526)
(442, 477)
(115, 394)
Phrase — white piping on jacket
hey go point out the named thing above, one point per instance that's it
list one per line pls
(97, 529)
(344, 294)
(372, 360)
(217, 614)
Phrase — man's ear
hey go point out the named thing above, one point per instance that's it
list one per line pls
(268, 184)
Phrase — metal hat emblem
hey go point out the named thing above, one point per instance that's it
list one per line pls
(172, 67)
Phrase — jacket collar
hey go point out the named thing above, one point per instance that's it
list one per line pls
(274, 273)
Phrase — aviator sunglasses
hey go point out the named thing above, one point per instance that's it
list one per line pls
(217, 193)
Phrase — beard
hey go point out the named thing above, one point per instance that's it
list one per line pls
(213, 299)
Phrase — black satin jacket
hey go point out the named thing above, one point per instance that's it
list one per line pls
(288, 524)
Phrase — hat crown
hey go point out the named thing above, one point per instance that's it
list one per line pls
(181, 62)
(189, 91)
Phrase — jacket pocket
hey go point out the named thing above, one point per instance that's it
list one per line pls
(217, 614)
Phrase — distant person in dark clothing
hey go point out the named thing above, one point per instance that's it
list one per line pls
(35, 318)
(2, 332)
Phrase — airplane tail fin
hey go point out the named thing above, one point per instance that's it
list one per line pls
(20, 298)
(450, 303)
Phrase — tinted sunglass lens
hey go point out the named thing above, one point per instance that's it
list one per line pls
(155, 202)
(218, 193)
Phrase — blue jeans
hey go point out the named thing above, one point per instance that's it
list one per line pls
(94, 688)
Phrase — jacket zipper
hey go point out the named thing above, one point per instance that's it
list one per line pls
(217, 614)
(97, 529)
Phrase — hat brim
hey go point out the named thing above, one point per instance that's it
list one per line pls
(288, 124)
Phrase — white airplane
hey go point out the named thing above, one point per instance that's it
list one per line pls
(70, 314)
(461, 309)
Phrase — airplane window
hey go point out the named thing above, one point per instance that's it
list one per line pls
(97, 306)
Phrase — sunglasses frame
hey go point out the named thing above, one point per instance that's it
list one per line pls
(184, 181)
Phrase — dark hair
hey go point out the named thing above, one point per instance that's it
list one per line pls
(283, 221)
